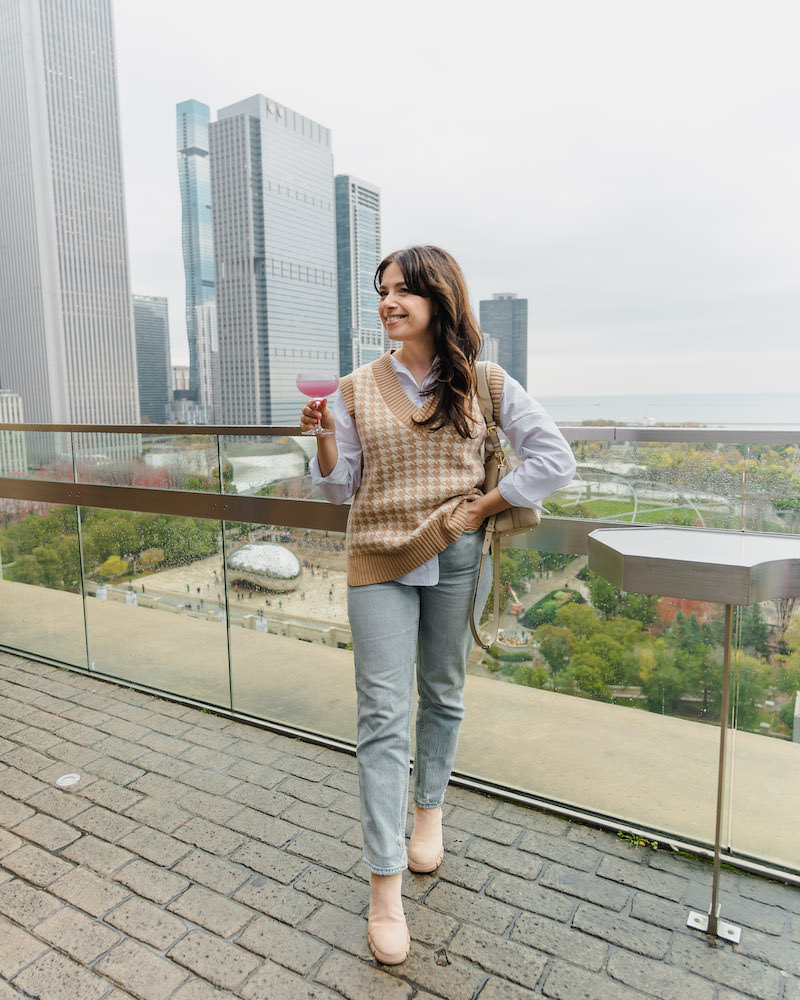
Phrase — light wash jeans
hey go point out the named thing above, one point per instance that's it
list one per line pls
(393, 625)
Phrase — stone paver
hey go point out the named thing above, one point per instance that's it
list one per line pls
(141, 972)
(35, 865)
(150, 881)
(18, 948)
(147, 922)
(221, 963)
(88, 891)
(216, 913)
(54, 977)
(199, 858)
(79, 936)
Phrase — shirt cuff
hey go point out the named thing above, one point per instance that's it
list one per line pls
(514, 497)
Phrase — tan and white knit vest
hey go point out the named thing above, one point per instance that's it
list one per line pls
(410, 505)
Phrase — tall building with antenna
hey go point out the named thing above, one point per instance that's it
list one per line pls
(197, 238)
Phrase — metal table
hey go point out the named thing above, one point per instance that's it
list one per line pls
(726, 567)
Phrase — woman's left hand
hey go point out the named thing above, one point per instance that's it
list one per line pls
(481, 506)
(475, 515)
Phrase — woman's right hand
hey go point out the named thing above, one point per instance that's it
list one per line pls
(317, 412)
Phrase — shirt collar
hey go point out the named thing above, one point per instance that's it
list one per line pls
(405, 374)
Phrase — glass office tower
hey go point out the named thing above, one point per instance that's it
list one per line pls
(275, 257)
(358, 248)
(505, 317)
(196, 230)
(151, 322)
(66, 323)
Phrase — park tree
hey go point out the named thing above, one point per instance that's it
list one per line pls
(603, 595)
(113, 566)
(750, 630)
(25, 569)
(750, 679)
(151, 558)
(578, 618)
(589, 673)
(661, 681)
(556, 644)
(642, 608)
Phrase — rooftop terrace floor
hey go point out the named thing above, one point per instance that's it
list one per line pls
(199, 857)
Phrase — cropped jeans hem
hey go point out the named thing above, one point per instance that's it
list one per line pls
(373, 870)
(429, 805)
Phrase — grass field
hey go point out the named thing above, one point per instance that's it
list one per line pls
(647, 513)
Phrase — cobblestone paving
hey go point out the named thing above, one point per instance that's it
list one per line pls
(198, 857)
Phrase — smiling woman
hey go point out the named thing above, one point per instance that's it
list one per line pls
(407, 445)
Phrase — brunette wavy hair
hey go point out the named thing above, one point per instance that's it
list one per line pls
(431, 272)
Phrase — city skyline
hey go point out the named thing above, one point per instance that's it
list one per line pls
(628, 170)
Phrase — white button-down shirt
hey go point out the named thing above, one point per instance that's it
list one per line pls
(546, 461)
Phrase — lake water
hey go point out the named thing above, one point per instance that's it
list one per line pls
(774, 409)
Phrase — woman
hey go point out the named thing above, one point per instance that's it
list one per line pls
(407, 444)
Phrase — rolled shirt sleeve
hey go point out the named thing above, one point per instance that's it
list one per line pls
(546, 459)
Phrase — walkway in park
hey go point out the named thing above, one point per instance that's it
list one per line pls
(197, 857)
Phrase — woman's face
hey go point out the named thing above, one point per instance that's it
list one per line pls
(405, 316)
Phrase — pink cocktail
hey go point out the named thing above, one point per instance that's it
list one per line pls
(317, 387)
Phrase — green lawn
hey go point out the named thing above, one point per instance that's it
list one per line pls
(647, 513)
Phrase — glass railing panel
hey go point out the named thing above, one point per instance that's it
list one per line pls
(765, 699)
(43, 455)
(696, 484)
(268, 466)
(149, 460)
(597, 698)
(772, 486)
(41, 604)
(290, 641)
(155, 608)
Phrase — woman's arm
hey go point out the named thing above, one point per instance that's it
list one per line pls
(336, 468)
(546, 459)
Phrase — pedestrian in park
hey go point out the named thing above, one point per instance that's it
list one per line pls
(407, 444)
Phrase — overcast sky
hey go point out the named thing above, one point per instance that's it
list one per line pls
(631, 167)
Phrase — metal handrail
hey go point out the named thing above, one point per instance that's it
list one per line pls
(572, 432)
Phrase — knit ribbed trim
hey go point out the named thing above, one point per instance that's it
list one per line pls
(394, 395)
(496, 377)
(378, 567)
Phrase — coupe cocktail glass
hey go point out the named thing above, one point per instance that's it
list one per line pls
(317, 386)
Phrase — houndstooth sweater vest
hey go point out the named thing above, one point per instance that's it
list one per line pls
(410, 505)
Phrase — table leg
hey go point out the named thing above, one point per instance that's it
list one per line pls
(711, 922)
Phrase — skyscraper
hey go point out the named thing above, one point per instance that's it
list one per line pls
(275, 257)
(151, 322)
(196, 230)
(66, 326)
(505, 317)
(208, 399)
(358, 248)
(13, 457)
